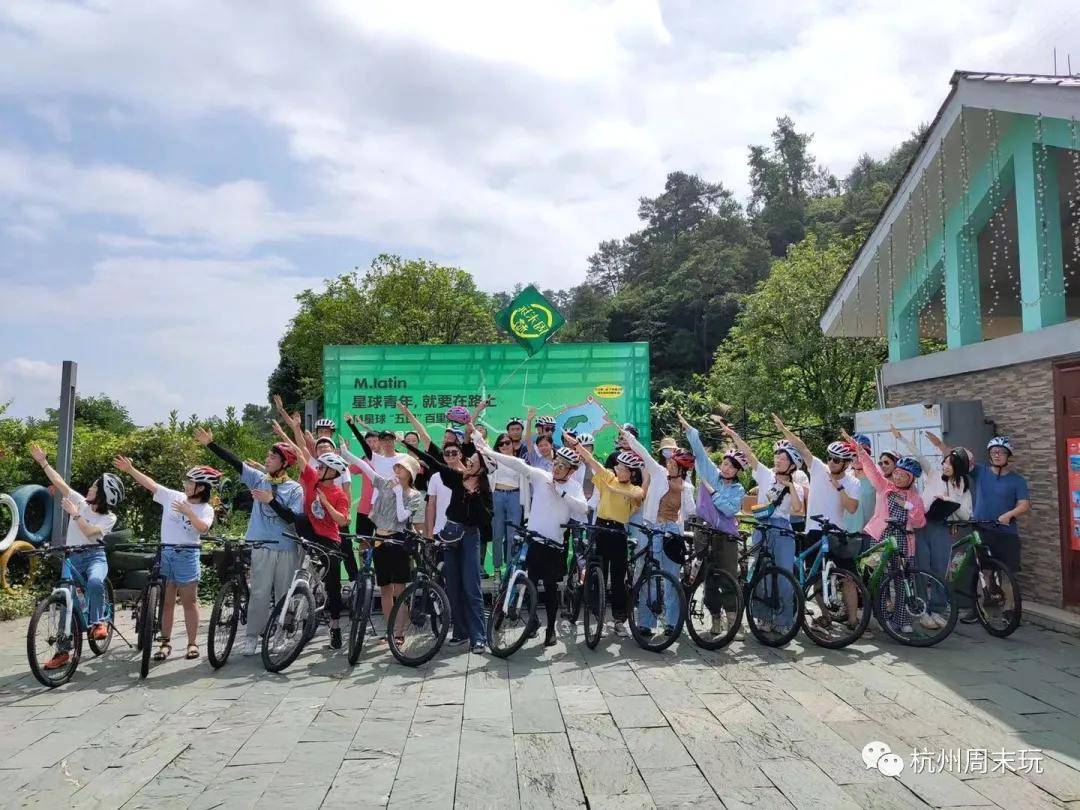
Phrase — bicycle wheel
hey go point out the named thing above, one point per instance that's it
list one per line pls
(99, 646)
(224, 619)
(714, 608)
(359, 615)
(659, 588)
(512, 619)
(903, 602)
(424, 609)
(997, 599)
(148, 623)
(594, 601)
(774, 606)
(289, 628)
(46, 639)
(828, 609)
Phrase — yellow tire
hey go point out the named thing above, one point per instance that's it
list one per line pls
(15, 548)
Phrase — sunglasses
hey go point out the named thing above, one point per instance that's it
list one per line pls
(504, 442)
(451, 453)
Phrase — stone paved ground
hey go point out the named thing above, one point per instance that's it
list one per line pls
(614, 728)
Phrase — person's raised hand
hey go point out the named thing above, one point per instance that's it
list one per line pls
(531, 413)
(262, 495)
(37, 454)
(779, 424)
(568, 440)
(847, 437)
(682, 421)
(204, 436)
(279, 430)
(894, 431)
(349, 418)
(69, 506)
(123, 463)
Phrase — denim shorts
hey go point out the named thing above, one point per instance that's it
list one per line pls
(180, 565)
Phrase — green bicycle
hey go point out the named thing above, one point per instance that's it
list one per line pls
(900, 595)
(973, 573)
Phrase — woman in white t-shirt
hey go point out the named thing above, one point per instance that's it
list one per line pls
(186, 517)
(91, 519)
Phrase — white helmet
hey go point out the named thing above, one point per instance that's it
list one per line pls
(546, 421)
(587, 439)
(568, 456)
(325, 423)
(334, 462)
(204, 475)
(631, 460)
(1002, 442)
(113, 488)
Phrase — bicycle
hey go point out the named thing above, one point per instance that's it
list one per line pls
(64, 616)
(363, 594)
(899, 593)
(585, 584)
(659, 587)
(714, 600)
(295, 618)
(829, 591)
(513, 613)
(233, 562)
(996, 597)
(426, 603)
(773, 617)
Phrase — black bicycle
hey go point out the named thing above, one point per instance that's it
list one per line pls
(151, 602)
(585, 584)
(974, 574)
(714, 600)
(774, 600)
(295, 619)
(363, 594)
(651, 592)
(232, 560)
(420, 618)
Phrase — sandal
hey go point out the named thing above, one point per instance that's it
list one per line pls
(163, 652)
(192, 652)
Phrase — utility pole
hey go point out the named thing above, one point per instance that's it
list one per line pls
(63, 444)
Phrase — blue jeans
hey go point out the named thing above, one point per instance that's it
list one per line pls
(933, 548)
(783, 552)
(93, 567)
(507, 510)
(671, 601)
(461, 567)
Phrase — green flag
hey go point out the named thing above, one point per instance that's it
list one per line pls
(530, 319)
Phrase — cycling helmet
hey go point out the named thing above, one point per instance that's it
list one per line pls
(792, 453)
(288, 455)
(515, 420)
(204, 475)
(780, 444)
(631, 460)
(546, 421)
(586, 439)
(841, 450)
(911, 465)
(864, 440)
(891, 454)
(334, 462)
(459, 434)
(631, 428)
(568, 456)
(684, 459)
(458, 415)
(1002, 442)
(737, 458)
(113, 488)
(329, 424)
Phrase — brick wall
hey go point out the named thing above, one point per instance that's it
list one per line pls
(1020, 399)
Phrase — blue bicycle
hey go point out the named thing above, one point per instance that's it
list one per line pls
(513, 613)
(61, 620)
(836, 604)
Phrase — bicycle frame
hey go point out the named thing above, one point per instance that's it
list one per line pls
(888, 550)
(822, 564)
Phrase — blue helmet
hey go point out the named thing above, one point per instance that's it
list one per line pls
(864, 440)
(911, 465)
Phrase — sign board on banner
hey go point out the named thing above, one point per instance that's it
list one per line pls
(1072, 455)
(583, 385)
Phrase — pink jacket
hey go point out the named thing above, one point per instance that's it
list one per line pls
(883, 486)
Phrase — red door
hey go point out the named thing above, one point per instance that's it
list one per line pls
(1067, 417)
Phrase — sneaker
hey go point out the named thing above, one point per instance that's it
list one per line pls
(928, 622)
(457, 642)
(250, 645)
(549, 639)
(939, 620)
(646, 631)
(99, 632)
(765, 626)
(620, 629)
(532, 630)
(479, 649)
(57, 661)
(718, 628)
(969, 617)
(335, 638)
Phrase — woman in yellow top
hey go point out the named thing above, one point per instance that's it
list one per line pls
(619, 498)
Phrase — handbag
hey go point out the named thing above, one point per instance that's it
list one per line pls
(451, 533)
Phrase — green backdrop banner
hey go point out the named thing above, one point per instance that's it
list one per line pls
(581, 384)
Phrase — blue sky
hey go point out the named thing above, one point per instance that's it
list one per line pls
(173, 174)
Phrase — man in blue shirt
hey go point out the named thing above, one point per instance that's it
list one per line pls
(273, 565)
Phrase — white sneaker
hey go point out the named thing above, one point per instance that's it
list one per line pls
(620, 629)
(928, 622)
(719, 625)
(907, 630)
(250, 645)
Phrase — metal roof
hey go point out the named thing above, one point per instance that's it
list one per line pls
(1007, 92)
